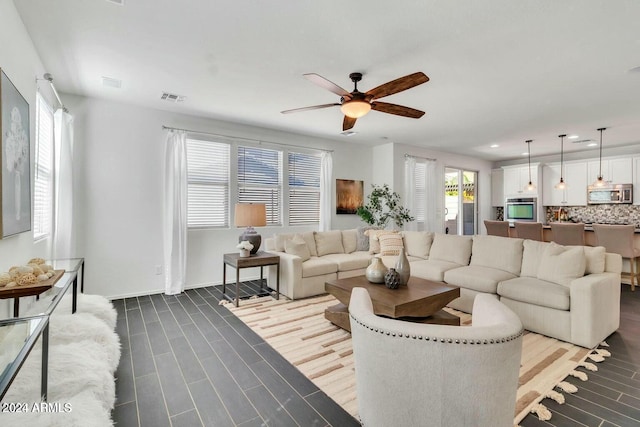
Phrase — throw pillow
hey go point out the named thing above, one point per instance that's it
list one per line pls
(328, 242)
(417, 243)
(349, 240)
(595, 257)
(279, 240)
(451, 248)
(562, 264)
(362, 243)
(298, 247)
(531, 256)
(485, 248)
(390, 243)
(374, 243)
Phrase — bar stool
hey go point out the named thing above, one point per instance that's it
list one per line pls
(529, 230)
(567, 233)
(618, 239)
(497, 228)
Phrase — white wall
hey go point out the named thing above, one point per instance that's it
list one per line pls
(20, 62)
(119, 160)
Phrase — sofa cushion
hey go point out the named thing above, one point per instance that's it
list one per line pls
(562, 264)
(531, 256)
(347, 262)
(429, 269)
(362, 243)
(328, 242)
(318, 266)
(451, 248)
(502, 253)
(535, 291)
(595, 257)
(390, 243)
(297, 246)
(417, 243)
(374, 242)
(349, 240)
(311, 242)
(279, 240)
(477, 278)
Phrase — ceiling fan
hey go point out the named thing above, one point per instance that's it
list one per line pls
(356, 104)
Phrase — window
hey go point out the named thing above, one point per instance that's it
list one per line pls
(43, 185)
(420, 196)
(304, 189)
(260, 179)
(207, 184)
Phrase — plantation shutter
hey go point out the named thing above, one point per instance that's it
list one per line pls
(207, 184)
(304, 189)
(260, 179)
(43, 182)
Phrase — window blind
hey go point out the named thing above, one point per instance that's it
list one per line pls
(304, 188)
(420, 201)
(260, 180)
(207, 184)
(43, 182)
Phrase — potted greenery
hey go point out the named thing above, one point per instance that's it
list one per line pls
(384, 206)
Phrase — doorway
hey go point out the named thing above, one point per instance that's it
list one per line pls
(461, 210)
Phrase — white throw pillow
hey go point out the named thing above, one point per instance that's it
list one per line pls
(349, 240)
(562, 264)
(298, 247)
(390, 244)
(595, 259)
(531, 256)
(486, 248)
(328, 242)
(279, 240)
(451, 248)
(417, 243)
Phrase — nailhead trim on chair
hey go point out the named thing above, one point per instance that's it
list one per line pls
(442, 340)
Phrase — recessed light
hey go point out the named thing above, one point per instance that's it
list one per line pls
(111, 82)
(593, 144)
(494, 146)
(573, 137)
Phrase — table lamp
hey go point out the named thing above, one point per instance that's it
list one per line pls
(251, 215)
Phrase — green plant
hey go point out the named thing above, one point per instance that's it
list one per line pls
(383, 206)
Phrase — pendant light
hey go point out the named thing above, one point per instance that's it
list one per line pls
(529, 187)
(561, 185)
(599, 182)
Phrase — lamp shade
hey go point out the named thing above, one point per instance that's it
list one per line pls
(355, 108)
(251, 215)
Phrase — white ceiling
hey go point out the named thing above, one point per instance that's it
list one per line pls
(502, 71)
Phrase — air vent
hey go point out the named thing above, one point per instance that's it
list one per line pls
(581, 141)
(111, 82)
(118, 2)
(348, 133)
(172, 97)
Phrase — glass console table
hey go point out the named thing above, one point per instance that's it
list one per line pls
(17, 338)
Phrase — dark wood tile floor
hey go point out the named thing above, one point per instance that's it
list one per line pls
(187, 361)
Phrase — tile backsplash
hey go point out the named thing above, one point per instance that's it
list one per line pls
(603, 214)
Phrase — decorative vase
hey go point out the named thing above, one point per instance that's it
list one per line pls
(403, 268)
(375, 271)
(392, 279)
(244, 253)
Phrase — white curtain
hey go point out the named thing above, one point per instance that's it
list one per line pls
(326, 169)
(63, 233)
(410, 191)
(433, 194)
(175, 212)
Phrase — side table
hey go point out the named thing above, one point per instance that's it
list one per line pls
(260, 259)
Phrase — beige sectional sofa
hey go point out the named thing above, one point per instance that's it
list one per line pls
(569, 293)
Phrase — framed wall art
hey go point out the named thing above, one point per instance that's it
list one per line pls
(349, 196)
(14, 156)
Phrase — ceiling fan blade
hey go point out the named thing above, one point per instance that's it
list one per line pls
(398, 110)
(326, 84)
(348, 123)
(314, 107)
(398, 85)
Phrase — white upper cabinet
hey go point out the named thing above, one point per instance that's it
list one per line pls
(517, 177)
(616, 171)
(550, 195)
(497, 187)
(636, 181)
(575, 176)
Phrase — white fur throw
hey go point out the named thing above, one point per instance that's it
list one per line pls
(97, 305)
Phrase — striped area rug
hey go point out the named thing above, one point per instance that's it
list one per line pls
(323, 353)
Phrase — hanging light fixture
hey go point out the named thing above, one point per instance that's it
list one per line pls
(529, 187)
(561, 185)
(599, 182)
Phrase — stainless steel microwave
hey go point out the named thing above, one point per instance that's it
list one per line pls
(610, 194)
(521, 209)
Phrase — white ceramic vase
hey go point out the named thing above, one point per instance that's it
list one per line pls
(244, 253)
(375, 271)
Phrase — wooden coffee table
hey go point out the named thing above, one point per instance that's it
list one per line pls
(419, 301)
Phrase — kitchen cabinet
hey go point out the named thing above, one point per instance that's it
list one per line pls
(550, 195)
(636, 181)
(614, 170)
(497, 187)
(517, 177)
(575, 178)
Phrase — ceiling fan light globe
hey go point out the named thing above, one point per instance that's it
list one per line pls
(356, 108)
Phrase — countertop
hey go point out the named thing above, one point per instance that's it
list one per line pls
(588, 227)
